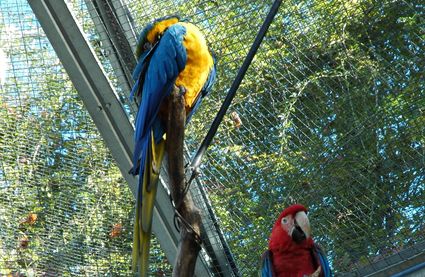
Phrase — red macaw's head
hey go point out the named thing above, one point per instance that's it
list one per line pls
(292, 228)
(291, 242)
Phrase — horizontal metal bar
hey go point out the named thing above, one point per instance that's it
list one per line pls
(401, 262)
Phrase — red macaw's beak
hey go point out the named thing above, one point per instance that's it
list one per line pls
(301, 230)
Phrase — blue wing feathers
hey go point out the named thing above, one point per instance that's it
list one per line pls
(325, 265)
(140, 70)
(166, 62)
(321, 258)
(266, 269)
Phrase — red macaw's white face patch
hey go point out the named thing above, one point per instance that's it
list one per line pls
(287, 224)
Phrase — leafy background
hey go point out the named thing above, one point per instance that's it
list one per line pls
(332, 112)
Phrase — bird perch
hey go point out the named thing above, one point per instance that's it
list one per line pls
(188, 213)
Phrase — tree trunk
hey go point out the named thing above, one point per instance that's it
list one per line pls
(189, 245)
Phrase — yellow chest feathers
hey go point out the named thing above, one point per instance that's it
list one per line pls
(198, 65)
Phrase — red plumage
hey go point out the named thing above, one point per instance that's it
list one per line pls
(290, 259)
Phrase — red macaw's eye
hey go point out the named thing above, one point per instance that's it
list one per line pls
(287, 224)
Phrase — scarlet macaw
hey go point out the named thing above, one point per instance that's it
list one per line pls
(169, 52)
(292, 252)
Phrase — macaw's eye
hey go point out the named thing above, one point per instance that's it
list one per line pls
(146, 46)
(284, 220)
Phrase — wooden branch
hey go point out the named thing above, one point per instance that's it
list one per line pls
(189, 246)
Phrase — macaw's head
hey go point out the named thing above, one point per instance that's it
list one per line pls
(153, 32)
(291, 229)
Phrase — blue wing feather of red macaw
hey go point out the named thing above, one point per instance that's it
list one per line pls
(266, 269)
(322, 260)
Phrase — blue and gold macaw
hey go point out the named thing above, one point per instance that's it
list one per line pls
(169, 52)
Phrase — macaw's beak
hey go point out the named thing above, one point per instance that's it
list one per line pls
(302, 229)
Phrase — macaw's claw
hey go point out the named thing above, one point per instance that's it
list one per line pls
(155, 167)
(182, 90)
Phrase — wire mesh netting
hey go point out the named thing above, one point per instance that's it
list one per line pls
(64, 206)
(330, 114)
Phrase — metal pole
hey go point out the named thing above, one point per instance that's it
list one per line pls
(196, 161)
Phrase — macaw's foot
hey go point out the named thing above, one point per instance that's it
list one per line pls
(316, 273)
(179, 90)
